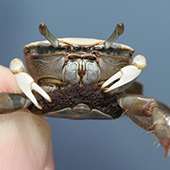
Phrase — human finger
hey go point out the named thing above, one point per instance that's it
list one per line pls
(25, 139)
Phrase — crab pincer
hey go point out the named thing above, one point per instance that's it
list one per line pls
(26, 82)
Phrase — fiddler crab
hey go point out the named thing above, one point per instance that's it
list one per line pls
(84, 78)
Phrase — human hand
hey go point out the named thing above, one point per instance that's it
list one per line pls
(25, 139)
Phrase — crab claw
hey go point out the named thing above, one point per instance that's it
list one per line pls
(127, 74)
(26, 82)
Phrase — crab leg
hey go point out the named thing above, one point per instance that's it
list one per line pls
(26, 82)
(127, 74)
(10, 102)
(150, 115)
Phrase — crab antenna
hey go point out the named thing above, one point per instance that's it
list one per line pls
(117, 32)
(47, 34)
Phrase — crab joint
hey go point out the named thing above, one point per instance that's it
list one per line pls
(161, 130)
(16, 66)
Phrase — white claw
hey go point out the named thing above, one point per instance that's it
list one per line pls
(27, 84)
(127, 74)
(38, 89)
(112, 79)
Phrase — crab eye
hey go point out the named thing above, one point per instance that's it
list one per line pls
(43, 29)
(47, 34)
(115, 35)
(120, 28)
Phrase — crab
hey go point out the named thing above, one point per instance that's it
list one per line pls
(85, 78)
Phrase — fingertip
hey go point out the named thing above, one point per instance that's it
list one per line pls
(7, 81)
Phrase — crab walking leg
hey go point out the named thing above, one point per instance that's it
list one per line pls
(127, 74)
(10, 102)
(26, 82)
(150, 115)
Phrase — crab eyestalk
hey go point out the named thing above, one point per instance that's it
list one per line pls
(47, 34)
(117, 32)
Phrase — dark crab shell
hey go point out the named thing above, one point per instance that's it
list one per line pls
(45, 62)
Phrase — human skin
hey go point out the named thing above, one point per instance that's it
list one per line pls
(25, 139)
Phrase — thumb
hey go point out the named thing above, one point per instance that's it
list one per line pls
(25, 139)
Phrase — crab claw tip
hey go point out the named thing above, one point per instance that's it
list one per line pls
(166, 145)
